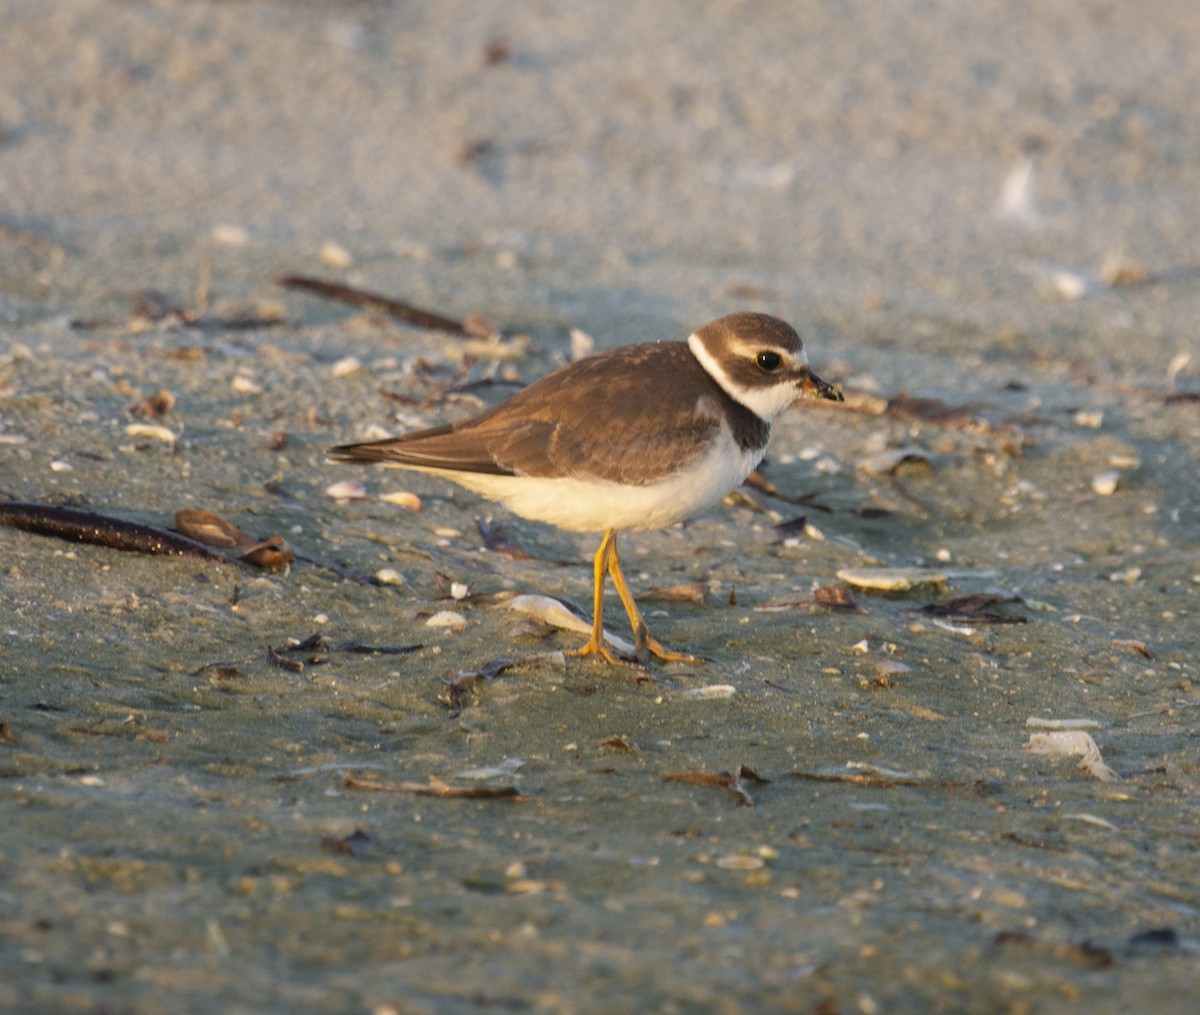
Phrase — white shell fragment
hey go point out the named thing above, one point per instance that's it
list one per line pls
(891, 579)
(887, 463)
(1064, 283)
(582, 344)
(1092, 819)
(402, 498)
(1105, 484)
(389, 576)
(884, 773)
(506, 769)
(335, 255)
(347, 489)
(964, 629)
(449, 619)
(557, 614)
(1062, 724)
(812, 532)
(60, 466)
(712, 692)
(158, 433)
(244, 385)
(230, 235)
(1017, 194)
(346, 366)
(1178, 362)
(1067, 743)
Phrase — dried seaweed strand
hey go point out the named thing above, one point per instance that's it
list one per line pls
(373, 301)
(435, 787)
(79, 526)
(857, 779)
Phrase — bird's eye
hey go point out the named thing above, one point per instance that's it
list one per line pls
(768, 361)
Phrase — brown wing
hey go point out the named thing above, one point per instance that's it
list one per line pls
(628, 415)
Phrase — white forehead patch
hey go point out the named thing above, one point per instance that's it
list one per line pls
(765, 401)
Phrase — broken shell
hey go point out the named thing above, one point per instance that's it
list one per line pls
(556, 613)
(402, 498)
(582, 344)
(741, 862)
(230, 236)
(888, 463)
(389, 576)
(211, 529)
(1178, 362)
(347, 489)
(1064, 283)
(1062, 724)
(890, 667)
(891, 579)
(712, 692)
(158, 433)
(244, 385)
(1017, 194)
(1092, 819)
(1105, 483)
(449, 619)
(272, 554)
(346, 366)
(1072, 742)
(1060, 743)
(335, 255)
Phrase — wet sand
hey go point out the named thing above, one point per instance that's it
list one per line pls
(188, 826)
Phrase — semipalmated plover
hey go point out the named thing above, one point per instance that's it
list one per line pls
(638, 437)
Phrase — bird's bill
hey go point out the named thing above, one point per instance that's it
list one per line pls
(813, 387)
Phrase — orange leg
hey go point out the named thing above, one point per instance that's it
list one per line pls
(608, 561)
(643, 640)
(595, 644)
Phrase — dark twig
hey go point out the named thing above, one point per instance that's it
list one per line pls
(81, 526)
(382, 304)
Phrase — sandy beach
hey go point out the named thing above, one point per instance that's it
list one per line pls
(982, 218)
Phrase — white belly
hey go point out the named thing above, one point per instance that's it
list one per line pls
(580, 504)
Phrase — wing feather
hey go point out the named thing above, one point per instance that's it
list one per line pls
(631, 415)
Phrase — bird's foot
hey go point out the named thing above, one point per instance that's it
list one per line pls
(598, 648)
(648, 645)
